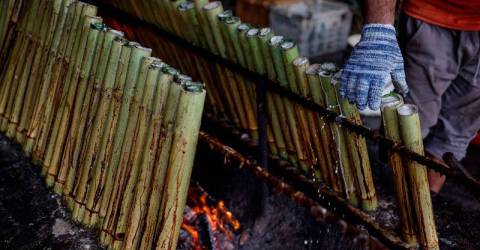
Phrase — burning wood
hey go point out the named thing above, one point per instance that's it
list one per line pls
(206, 224)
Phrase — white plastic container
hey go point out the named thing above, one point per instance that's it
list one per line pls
(318, 28)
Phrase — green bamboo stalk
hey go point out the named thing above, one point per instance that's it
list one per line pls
(211, 12)
(79, 132)
(100, 125)
(322, 127)
(208, 41)
(32, 51)
(124, 129)
(161, 164)
(232, 25)
(14, 73)
(90, 112)
(14, 10)
(254, 43)
(111, 100)
(127, 172)
(316, 155)
(389, 106)
(343, 168)
(288, 52)
(180, 165)
(174, 17)
(37, 114)
(73, 101)
(137, 174)
(264, 37)
(242, 31)
(359, 159)
(223, 18)
(69, 45)
(186, 10)
(66, 98)
(417, 176)
(38, 68)
(283, 105)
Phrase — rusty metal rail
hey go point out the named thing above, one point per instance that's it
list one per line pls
(319, 212)
(315, 190)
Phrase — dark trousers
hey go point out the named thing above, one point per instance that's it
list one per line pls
(442, 69)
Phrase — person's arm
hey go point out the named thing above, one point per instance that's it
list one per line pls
(376, 60)
(379, 11)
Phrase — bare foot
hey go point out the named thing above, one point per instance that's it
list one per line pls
(436, 179)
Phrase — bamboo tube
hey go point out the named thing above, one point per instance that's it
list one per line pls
(123, 132)
(70, 43)
(161, 164)
(136, 174)
(115, 83)
(27, 62)
(127, 172)
(37, 114)
(174, 17)
(31, 52)
(242, 38)
(343, 169)
(203, 25)
(212, 10)
(264, 36)
(279, 49)
(180, 165)
(14, 73)
(254, 47)
(153, 107)
(15, 9)
(94, 192)
(299, 65)
(317, 155)
(232, 25)
(230, 81)
(80, 130)
(37, 69)
(186, 10)
(280, 103)
(389, 106)
(73, 100)
(103, 122)
(359, 159)
(417, 176)
(14, 60)
(66, 97)
(323, 128)
(245, 94)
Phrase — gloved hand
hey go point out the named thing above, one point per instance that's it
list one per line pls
(375, 61)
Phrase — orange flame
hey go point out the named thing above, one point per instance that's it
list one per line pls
(218, 216)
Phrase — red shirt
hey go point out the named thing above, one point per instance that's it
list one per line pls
(453, 14)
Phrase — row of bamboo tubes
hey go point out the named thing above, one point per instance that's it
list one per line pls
(402, 124)
(332, 154)
(327, 151)
(113, 129)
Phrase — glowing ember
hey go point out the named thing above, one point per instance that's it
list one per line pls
(206, 224)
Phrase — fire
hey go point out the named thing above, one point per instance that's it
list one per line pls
(207, 223)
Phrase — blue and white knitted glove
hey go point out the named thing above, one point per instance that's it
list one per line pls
(375, 61)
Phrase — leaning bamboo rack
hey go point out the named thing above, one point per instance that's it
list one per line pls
(81, 119)
(113, 129)
(318, 147)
